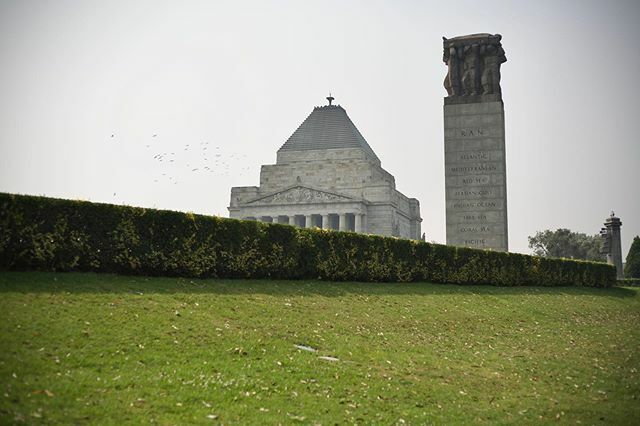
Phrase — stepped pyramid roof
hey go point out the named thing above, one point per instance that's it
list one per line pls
(327, 127)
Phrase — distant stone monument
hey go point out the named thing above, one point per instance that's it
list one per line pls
(612, 245)
(475, 170)
(327, 176)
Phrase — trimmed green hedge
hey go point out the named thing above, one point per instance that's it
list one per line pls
(62, 235)
(628, 282)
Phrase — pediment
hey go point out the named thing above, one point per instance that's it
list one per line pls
(299, 195)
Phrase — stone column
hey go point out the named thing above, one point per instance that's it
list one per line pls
(474, 144)
(342, 225)
(292, 220)
(614, 254)
(359, 222)
(307, 221)
(325, 221)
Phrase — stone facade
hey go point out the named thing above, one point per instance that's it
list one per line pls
(327, 176)
(474, 140)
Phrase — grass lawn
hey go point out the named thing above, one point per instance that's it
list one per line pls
(105, 349)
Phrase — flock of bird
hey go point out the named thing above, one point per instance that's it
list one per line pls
(192, 158)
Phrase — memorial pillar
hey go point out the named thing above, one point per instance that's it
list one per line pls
(474, 143)
(613, 244)
(342, 224)
(358, 227)
(292, 220)
(307, 221)
(325, 221)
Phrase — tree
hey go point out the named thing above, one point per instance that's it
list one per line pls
(632, 267)
(564, 243)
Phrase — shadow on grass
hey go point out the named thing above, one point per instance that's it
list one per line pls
(78, 282)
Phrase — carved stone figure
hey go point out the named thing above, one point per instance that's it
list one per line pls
(493, 57)
(471, 75)
(473, 64)
(452, 79)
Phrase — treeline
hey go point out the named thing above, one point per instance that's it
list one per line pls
(38, 233)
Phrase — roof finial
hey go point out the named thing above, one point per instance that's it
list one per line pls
(330, 98)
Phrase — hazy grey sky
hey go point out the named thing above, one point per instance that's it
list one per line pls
(243, 75)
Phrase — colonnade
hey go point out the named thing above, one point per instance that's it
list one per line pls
(337, 221)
